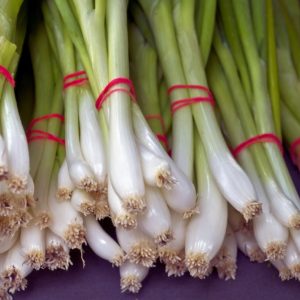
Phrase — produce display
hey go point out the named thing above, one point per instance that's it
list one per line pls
(171, 118)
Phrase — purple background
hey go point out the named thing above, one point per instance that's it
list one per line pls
(98, 280)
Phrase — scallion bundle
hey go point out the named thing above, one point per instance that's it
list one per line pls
(165, 117)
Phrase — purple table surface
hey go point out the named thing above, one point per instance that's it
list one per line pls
(98, 280)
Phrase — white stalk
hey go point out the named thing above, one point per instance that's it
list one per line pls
(203, 241)
(156, 170)
(41, 193)
(172, 254)
(15, 141)
(231, 179)
(82, 175)
(226, 259)
(292, 259)
(125, 169)
(120, 216)
(2, 260)
(8, 242)
(284, 272)
(282, 208)
(101, 243)
(15, 270)
(131, 277)
(79, 170)
(66, 221)
(182, 196)
(156, 220)
(249, 246)
(295, 234)
(57, 252)
(139, 248)
(3, 160)
(32, 241)
(270, 235)
(65, 185)
(91, 137)
(83, 202)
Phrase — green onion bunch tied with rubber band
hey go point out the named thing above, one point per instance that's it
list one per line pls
(166, 118)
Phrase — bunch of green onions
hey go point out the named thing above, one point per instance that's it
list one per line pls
(188, 185)
(16, 192)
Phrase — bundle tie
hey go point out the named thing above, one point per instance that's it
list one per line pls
(43, 135)
(36, 134)
(161, 137)
(178, 104)
(293, 147)
(42, 118)
(68, 82)
(260, 138)
(107, 91)
(7, 76)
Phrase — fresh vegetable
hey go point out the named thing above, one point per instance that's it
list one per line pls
(166, 119)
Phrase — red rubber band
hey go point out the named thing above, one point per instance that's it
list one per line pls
(75, 74)
(7, 76)
(293, 147)
(190, 86)
(75, 82)
(162, 138)
(107, 91)
(261, 138)
(176, 105)
(36, 134)
(42, 135)
(42, 118)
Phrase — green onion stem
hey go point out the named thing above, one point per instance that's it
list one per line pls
(272, 67)
(165, 105)
(89, 39)
(9, 14)
(263, 114)
(239, 102)
(43, 174)
(44, 78)
(205, 24)
(141, 21)
(288, 82)
(290, 126)
(144, 74)
(7, 54)
(258, 13)
(76, 37)
(66, 58)
(160, 18)
(229, 25)
(294, 37)
(232, 118)
(293, 8)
